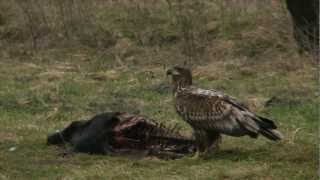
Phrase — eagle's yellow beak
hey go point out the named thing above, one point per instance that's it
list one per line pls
(172, 72)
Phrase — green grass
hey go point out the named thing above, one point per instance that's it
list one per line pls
(251, 57)
(33, 106)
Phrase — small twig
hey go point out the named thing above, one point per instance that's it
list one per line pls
(294, 135)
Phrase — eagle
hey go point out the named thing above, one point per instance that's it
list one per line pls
(211, 113)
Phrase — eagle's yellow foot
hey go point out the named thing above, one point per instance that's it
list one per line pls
(207, 152)
(196, 155)
(200, 155)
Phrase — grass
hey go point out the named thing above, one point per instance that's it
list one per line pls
(33, 106)
(45, 90)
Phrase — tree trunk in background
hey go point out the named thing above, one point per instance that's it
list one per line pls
(305, 16)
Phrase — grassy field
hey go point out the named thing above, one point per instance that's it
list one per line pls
(55, 78)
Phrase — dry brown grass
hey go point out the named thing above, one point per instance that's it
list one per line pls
(248, 53)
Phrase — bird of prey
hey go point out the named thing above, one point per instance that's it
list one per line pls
(211, 113)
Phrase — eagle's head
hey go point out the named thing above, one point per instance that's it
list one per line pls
(181, 77)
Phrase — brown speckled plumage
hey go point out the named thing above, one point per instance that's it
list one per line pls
(211, 113)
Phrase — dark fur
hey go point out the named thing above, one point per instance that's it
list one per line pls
(114, 133)
(305, 16)
(92, 136)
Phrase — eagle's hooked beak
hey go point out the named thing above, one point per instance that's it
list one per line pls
(172, 72)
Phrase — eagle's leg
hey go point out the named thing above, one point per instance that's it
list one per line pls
(208, 143)
(200, 139)
(214, 140)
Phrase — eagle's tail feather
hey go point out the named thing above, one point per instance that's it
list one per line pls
(268, 129)
(266, 123)
(271, 134)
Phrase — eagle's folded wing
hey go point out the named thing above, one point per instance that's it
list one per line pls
(210, 109)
